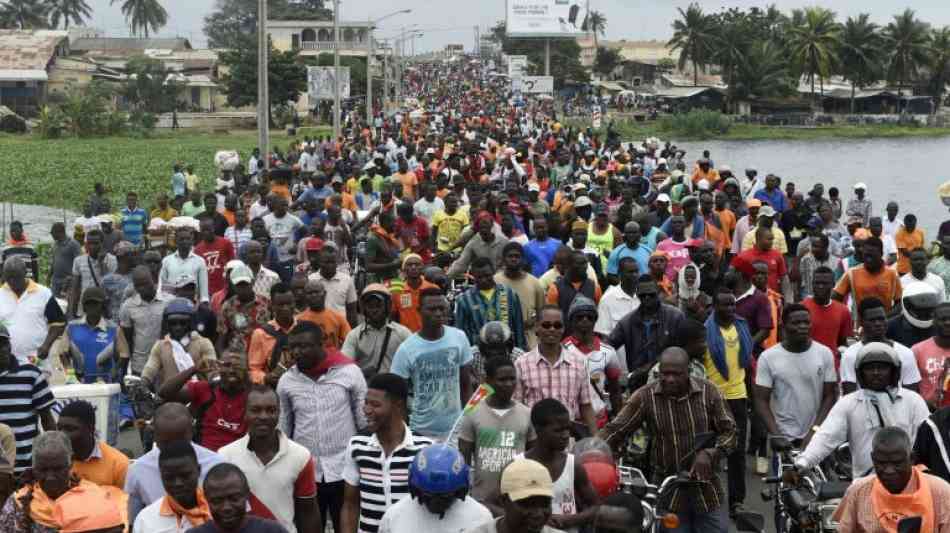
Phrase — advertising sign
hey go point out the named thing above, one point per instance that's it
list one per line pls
(517, 66)
(546, 18)
(537, 84)
(321, 82)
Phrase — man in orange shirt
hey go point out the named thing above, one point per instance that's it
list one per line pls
(408, 180)
(405, 293)
(870, 279)
(261, 363)
(705, 172)
(907, 238)
(93, 460)
(332, 323)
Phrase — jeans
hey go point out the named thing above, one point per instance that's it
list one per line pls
(693, 521)
(736, 460)
(330, 500)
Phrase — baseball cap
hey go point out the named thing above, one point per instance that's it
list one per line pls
(815, 222)
(665, 198)
(753, 202)
(93, 294)
(241, 274)
(336, 179)
(860, 185)
(524, 478)
(601, 209)
(314, 244)
(579, 186)
(534, 187)
(369, 165)
(766, 211)
(589, 153)
(583, 201)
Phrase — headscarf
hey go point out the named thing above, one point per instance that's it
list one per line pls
(686, 291)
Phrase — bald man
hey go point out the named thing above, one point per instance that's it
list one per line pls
(143, 483)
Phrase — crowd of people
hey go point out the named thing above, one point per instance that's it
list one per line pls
(411, 325)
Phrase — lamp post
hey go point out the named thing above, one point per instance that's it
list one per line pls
(336, 70)
(369, 61)
(263, 98)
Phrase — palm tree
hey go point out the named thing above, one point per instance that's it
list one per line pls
(144, 16)
(75, 11)
(813, 43)
(23, 15)
(939, 63)
(596, 23)
(908, 44)
(861, 52)
(693, 37)
(763, 71)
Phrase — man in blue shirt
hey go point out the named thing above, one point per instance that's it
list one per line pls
(539, 252)
(178, 182)
(437, 361)
(91, 342)
(134, 219)
(772, 194)
(631, 247)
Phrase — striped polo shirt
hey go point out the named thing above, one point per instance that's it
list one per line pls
(24, 392)
(382, 481)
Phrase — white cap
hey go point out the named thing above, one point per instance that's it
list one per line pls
(661, 161)
(534, 187)
(703, 185)
(860, 185)
(665, 198)
(583, 201)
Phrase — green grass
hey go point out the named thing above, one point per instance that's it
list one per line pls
(61, 172)
(631, 131)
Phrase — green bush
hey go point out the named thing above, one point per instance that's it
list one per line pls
(50, 123)
(696, 123)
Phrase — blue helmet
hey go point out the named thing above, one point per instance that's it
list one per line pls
(438, 469)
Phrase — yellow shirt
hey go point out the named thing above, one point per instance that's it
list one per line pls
(734, 388)
(450, 227)
(778, 242)
(191, 181)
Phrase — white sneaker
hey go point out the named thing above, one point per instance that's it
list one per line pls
(761, 465)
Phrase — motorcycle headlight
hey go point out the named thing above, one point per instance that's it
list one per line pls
(827, 511)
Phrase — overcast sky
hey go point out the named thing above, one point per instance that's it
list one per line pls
(453, 21)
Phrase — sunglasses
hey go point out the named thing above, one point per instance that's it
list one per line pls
(552, 325)
(591, 318)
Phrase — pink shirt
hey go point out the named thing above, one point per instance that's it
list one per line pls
(678, 255)
(930, 359)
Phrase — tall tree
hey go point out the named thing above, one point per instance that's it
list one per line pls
(286, 77)
(693, 36)
(606, 61)
(144, 16)
(763, 72)
(596, 24)
(75, 11)
(233, 23)
(24, 15)
(148, 87)
(908, 43)
(939, 64)
(814, 42)
(861, 53)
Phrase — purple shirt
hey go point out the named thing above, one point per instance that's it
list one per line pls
(757, 311)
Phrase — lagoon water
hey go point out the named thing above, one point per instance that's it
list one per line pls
(907, 170)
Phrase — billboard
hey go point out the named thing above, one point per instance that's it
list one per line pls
(537, 84)
(321, 82)
(517, 66)
(546, 18)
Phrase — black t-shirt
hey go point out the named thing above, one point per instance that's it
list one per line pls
(902, 331)
(253, 524)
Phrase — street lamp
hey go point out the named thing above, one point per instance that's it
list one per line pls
(369, 61)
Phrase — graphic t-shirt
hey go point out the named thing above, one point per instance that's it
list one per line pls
(433, 368)
(216, 255)
(223, 420)
(930, 360)
(678, 254)
(499, 435)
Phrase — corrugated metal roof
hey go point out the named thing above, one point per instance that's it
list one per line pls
(129, 43)
(23, 75)
(683, 92)
(28, 49)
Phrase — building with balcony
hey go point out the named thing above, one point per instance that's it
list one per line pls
(313, 37)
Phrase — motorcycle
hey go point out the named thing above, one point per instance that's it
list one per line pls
(807, 505)
(656, 500)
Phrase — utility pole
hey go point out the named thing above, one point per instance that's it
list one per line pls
(336, 70)
(476, 41)
(369, 77)
(386, 53)
(547, 57)
(263, 98)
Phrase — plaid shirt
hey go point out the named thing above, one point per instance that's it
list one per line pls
(675, 422)
(566, 381)
(240, 320)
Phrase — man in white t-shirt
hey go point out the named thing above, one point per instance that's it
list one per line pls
(795, 383)
(439, 502)
(874, 329)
